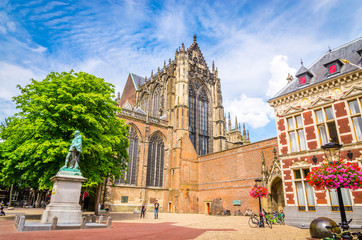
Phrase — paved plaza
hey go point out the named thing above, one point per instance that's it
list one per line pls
(168, 226)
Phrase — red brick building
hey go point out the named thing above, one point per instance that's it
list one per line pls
(322, 103)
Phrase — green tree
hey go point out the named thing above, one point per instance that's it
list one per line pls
(38, 137)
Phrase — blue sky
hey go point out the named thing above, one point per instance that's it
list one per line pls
(254, 44)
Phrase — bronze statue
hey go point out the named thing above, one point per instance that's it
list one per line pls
(74, 150)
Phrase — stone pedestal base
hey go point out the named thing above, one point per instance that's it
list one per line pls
(64, 202)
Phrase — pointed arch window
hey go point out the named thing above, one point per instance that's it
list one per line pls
(156, 111)
(130, 174)
(156, 152)
(144, 103)
(192, 115)
(203, 123)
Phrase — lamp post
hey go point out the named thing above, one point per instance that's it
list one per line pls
(332, 152)
(257, 181)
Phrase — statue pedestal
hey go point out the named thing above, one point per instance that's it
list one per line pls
(64, 202)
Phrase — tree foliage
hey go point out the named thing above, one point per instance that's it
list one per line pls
(38, 137)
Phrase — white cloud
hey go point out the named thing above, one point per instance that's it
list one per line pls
(253, 47)
(255, 112)
(279, 70)
(10, 76)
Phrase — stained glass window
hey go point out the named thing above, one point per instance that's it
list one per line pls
(192, 116)
(203, 125)
(130, 174)
(156, 152)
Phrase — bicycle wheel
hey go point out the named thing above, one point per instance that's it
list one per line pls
(267, 221)
(253, 222)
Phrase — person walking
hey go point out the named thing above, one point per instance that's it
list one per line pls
(2, 213)
(143, 210)
(156, 209)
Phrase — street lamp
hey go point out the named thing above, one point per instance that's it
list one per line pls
(332, 152)
(257, 181)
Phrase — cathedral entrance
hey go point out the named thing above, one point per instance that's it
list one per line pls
(277, 194)
(169, 207)
(207, 207)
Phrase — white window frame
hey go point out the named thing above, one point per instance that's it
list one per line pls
(324, 123)
(347, 200)
(299, 134)
(357, 133)
(307, 198)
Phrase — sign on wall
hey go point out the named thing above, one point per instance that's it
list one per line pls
(237, 202)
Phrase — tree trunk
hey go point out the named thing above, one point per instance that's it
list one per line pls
(98, 196)
(104, 190)
(11, 195)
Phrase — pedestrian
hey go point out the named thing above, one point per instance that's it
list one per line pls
(156, 209)
(143, 210)
(2, 213)
(106, 208)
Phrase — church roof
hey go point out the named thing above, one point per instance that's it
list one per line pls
(351, 51)
(137, 79)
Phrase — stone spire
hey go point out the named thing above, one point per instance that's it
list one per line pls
(244, 133)
(229, 123)
(195, 38)
(236, 123)
(248, 137)
(213, 67)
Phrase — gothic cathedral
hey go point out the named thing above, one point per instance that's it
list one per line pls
(175, 116)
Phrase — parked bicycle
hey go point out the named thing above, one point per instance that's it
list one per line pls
(255, 222)
(238, 213)
(226, 212)
(249, 212)
(275, 217)
(338, 234)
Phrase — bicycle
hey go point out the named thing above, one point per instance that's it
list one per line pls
(281, 217)
(338, 234)
(275, 217)
(238, 213)
(249, 212)
(226, 212)
(255, 222)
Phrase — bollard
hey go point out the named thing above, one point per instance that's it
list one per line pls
(54, 223)
(100, 221)
(16, 221)
(109, 222)
(94, 218)
(21, 224)
(84, 220)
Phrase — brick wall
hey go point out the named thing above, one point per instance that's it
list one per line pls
(230, 174)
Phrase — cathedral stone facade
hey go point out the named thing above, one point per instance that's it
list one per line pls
(183, 150)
